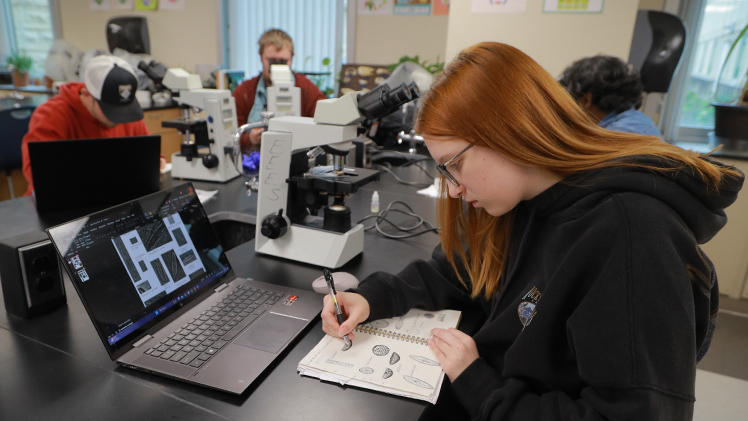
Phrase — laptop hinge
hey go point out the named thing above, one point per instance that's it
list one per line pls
(142, 340)
(221, 288)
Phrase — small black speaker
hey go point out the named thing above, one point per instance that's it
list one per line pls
(31, 275)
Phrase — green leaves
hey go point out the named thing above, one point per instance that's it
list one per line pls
(433, 68)
(19, 61)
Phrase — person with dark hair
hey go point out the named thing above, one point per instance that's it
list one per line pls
(575, 251)
(276, 47)
(610, 90)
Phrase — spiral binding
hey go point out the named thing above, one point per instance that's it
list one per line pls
(389, 334)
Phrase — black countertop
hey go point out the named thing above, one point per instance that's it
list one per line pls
(54, 366)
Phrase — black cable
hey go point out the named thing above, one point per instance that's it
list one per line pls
(400, 180)
(418, 164)
(382, 217)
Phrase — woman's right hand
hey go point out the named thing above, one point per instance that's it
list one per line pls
(355, 310)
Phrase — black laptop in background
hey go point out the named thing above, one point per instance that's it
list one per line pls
(164, 299)
(83, 173)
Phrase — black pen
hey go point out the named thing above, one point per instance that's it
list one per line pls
(333, 294)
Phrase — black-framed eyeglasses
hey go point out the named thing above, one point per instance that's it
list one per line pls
(442, 168)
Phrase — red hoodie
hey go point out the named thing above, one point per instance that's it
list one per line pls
(64, 117)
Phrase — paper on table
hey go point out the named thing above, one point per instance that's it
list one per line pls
(388, 355)
(432, 190)
(205, 195)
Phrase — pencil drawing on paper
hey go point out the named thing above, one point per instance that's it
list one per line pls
(380, 350)
(366, 370)
(379, 324)
(387, 373)
(424, 360)
(417, 382)
(395, 357)
(341, 363)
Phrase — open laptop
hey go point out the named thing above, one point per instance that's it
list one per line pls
(164, 299)
(102, 172)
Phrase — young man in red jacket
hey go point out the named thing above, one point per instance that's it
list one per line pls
(251, 95)
(103, 105)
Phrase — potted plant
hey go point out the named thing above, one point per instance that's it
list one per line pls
(21, 64)
(731, 104)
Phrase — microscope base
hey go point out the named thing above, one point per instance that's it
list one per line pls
(314, 246)
(195, 170)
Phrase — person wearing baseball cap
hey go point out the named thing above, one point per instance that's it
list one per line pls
(112, 83)
(103, 105)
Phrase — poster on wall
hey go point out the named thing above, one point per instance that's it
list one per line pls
(98, 4)
(146, 4)
(412, 7)
(440, 7)
(374, 7)
(573, 6)
(171, 5)
(122, 4)
(499, 6)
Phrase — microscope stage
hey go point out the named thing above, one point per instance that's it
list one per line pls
(336, 184)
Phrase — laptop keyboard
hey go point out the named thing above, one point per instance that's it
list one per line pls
(203, 337)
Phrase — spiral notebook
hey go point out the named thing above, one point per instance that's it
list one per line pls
(388, 355)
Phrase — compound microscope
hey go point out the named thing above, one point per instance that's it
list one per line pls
(292, 191)
(207, 148)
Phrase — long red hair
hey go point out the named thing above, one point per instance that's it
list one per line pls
(495, 96)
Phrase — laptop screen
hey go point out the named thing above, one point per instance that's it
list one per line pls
(94, 173)
(135, 264)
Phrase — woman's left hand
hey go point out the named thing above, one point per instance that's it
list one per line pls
(454, 349)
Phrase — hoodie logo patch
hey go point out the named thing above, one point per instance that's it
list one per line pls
(526, 309)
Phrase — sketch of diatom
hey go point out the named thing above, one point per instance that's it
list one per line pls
(441, 317)
(387, 373)
(399, 323)
(428, 315)
(424, 360)
(379, 324)
(344, 364)
(417, 382)
(366, 370)
(380, 350)
(414, 331)
(394, 358)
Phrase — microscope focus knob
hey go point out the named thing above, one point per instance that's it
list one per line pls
(210, 161)
(274, 226)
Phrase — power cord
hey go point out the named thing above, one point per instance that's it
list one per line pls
(386, 168)
(382, 217)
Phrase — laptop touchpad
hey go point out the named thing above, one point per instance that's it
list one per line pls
(270, 333)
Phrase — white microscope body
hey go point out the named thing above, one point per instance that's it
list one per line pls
(283, 97)
(307, 238)
(215, 162)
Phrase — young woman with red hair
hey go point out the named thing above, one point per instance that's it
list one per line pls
(577, 247)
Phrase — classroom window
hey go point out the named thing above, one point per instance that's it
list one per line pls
(712, 26)
(318, 30)
(26, 26)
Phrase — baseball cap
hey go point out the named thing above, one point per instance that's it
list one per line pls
(112, 82)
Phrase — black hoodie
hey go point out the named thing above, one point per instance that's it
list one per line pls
(606, 302)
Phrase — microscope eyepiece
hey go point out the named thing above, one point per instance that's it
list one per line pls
(384, 100)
